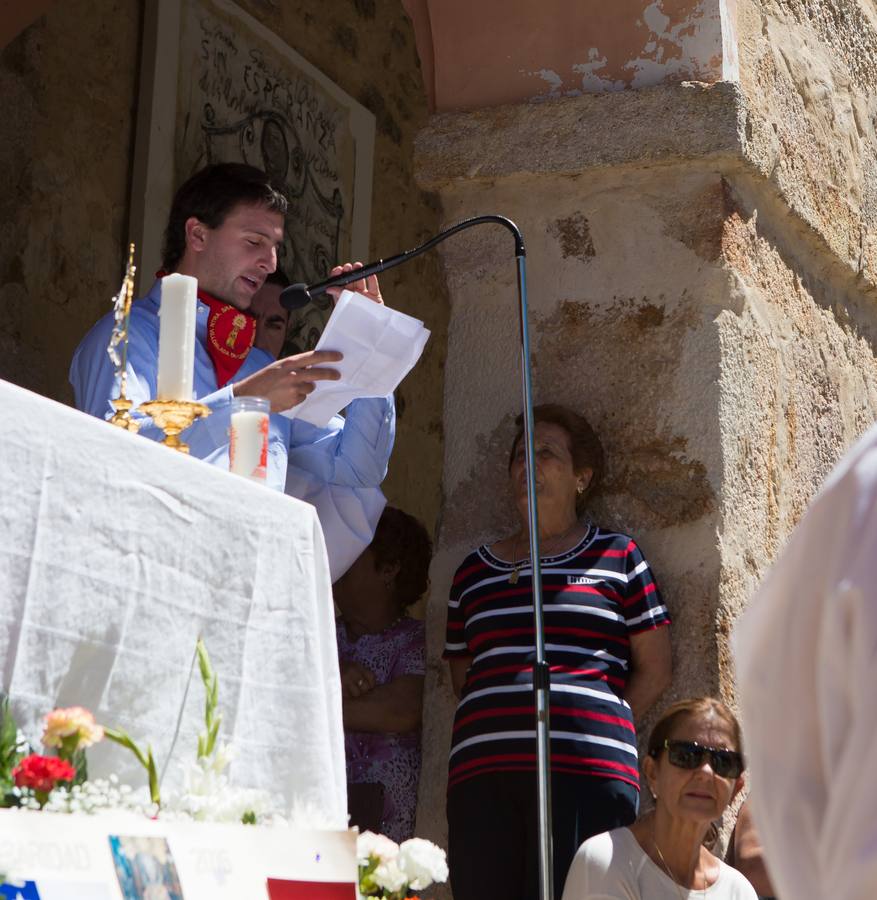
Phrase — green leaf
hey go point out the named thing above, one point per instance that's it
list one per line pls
(80, 764)
(212, 736)
(154, 793)
(147, 760)
(212, 719)
(203, 661)
(8, 728)
(122, 738)
(10, 752)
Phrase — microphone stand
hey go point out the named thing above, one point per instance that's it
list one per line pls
(296, 296)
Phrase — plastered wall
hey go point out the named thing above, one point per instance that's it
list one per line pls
(557, 49)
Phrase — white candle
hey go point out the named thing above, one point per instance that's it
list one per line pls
(248, 441)
(176, 337)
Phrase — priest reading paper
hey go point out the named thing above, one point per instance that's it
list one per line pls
(224, 228)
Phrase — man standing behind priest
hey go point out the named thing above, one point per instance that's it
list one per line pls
(225, 226)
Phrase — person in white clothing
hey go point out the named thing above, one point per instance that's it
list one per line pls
(694, 769)
(806, 654)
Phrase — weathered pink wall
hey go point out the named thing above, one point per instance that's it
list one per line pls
(503, 51)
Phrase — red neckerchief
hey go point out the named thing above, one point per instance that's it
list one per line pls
(230, 335)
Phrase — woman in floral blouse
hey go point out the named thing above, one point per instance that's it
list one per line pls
(382, 656)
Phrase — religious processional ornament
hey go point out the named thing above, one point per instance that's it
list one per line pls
(118, 346)
(172, 416)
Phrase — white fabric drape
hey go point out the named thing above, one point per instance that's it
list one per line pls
(116, 553)
(806, 652)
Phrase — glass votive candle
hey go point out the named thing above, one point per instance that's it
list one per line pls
(248, 437)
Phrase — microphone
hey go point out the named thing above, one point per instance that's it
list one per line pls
(298, 295)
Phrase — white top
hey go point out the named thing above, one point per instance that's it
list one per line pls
(613, 866)
(806, 651)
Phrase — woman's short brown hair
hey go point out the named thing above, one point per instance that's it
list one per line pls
(400, 538)
(585, 446)
(695, 706)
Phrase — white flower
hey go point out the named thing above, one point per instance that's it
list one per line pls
(219, 761)
(376, 845)
(422, 862)
(389, 877)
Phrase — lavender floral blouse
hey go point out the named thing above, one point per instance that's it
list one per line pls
(392, 760)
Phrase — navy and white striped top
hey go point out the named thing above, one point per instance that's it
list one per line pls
(594, 597)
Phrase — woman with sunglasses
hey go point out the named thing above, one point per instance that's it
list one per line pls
(694, 769)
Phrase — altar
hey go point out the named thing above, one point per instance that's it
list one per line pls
(116, 554)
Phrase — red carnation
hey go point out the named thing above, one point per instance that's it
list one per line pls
(42, 773)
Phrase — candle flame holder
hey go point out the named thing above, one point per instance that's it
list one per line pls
(173, 417)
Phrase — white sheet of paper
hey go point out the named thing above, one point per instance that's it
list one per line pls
(380, 346)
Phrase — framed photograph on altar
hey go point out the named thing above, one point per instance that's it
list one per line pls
(218, 86)
(145, 868)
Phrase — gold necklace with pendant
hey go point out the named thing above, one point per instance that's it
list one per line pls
(518, 564)
(683, 891)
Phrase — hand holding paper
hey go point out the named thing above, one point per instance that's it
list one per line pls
(380, 346)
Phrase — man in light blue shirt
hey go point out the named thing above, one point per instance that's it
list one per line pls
(224, 228)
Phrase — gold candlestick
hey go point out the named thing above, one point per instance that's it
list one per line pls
(122, 306)
(174, 416)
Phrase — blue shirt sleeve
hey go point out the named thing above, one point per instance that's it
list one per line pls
(353, 451)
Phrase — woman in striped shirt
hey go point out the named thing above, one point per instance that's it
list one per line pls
(609, 657)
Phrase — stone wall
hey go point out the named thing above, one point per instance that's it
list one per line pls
(701, 286)
(799, 381)
(809, 73)
(798, 386)
(68, 95)
(626, 284)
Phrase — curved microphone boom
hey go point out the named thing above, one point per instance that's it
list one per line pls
(298, 295)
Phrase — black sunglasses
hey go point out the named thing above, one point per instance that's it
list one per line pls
(690, 755)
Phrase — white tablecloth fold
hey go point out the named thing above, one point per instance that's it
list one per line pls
(116, 553)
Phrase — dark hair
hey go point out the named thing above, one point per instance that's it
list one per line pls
(585, 446)
(210, 195)
(400, 538)
(695, 706)
(279, 277)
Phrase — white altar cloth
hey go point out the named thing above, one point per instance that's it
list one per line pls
(70, 857)
(116, 553)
